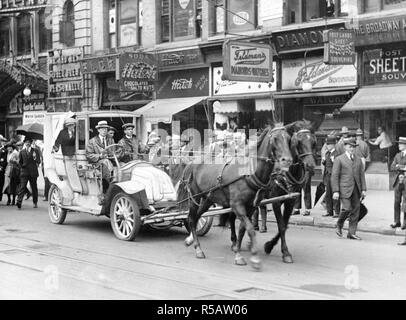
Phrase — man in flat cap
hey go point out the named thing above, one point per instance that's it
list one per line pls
(132, 148)
(66, 138)
(348, 185)
(96, 152)
(3, 163)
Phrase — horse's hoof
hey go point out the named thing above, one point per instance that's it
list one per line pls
(287, 259)
(268, 246)
(240, 261)
(200, 255)
(188, 241)
(255, 263)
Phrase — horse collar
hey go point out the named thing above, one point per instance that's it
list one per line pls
(303, 131)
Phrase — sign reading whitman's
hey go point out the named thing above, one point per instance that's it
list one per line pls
(244, 61)
(339, 47)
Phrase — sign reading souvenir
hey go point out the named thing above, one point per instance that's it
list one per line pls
(388, 67)
(15, 5)
(240, 15)
(382, 30)
(99, 64)
(65, 75)
(188, 58)
(137, 72)
(184, 18)
(183, 83)
(244, 61)
(225, 87)
(339, 47)
(319, 74)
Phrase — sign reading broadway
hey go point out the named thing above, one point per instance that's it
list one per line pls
(137, 72)
(244, 61)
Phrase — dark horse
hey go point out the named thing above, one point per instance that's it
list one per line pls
(223, 184)
(298, 176)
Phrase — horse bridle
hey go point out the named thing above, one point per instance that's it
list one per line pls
(302, 155)
(273, 158)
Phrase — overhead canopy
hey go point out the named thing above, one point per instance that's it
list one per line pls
(325, 92)
(162, 110)
(377, 98)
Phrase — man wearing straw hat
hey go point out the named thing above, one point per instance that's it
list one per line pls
(399, 166)
(348, 185)
(96, 152)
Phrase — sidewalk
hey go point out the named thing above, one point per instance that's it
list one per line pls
(378, 219)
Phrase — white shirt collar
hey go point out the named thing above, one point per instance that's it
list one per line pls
(128, 137)
(101, 137)
(348, 155)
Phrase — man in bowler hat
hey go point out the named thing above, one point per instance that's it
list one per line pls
(328, 169)
(399, 166)
(29, 160)
(348, 185)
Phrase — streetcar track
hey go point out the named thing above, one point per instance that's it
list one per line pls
(244, 283)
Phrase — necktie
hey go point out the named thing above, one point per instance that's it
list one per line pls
(104, 142)
(352, 158)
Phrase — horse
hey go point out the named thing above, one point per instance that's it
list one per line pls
(223, 184)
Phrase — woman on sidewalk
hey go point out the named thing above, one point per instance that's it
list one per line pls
(12, 174)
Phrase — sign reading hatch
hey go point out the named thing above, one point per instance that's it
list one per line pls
(244, 61)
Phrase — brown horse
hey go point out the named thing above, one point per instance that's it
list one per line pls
(224, 185)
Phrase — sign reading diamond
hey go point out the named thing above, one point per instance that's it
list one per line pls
(245, 61)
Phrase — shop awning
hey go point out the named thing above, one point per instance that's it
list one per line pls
(162, 110)
(377, 98)
(264, 104)
(288, 94)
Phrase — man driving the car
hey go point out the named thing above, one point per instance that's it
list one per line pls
(96, 152)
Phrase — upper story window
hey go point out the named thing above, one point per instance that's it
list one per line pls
(125, 23)
(67, 25)
(180, 19)
(45, 30)
(24, 34)
(4, 37)
(233, 16)
(298, 11)
(378, 5)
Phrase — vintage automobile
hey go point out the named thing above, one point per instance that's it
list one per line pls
(139, 193)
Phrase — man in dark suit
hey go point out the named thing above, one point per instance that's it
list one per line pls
(3, 163)
(66, 138)
(348, 184)
(399, 166)
(328, 162)
(29, 160)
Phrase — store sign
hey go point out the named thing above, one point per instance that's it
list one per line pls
(184, 18)
(137, 72)
(300, 39)
(36, 101)
(332, 101)
(7, 5)
(168, 60)
(65, 75)
(183, 83)
(339, 47)
(34, 116)
(99, 64)
(244, 61)
(381, 30)
(388, 67)
(225, 87)
(320, 75)
(241, 15)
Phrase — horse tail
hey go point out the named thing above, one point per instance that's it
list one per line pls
(182, 193)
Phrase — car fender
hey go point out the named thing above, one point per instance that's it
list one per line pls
(63, 186)
(130, 187)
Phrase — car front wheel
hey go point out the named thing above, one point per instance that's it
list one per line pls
(125, 217)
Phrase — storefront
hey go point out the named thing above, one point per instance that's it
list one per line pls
(381, 99)
(181, 94)
(329, 87)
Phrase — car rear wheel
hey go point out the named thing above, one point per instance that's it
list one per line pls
(56, 213)
(203, 226)
(125, 217)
